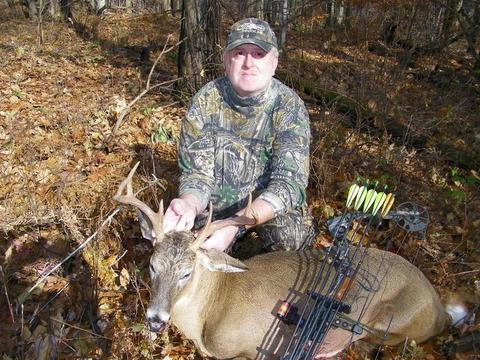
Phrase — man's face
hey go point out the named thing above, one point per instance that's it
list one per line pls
(250, 69)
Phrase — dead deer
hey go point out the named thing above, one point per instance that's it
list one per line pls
(227, 307)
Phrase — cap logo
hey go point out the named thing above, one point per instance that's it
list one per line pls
(250, 27)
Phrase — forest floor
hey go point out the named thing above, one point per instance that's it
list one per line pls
(58, 173)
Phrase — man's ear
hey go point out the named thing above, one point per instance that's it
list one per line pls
(146, 227)
(275, 64)
(216, 260)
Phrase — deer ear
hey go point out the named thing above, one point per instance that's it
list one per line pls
(146, 227)
(216, 260)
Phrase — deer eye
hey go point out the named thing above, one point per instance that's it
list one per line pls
(185, 276)
(152, 269)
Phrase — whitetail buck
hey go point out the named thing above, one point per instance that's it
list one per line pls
(228, 307)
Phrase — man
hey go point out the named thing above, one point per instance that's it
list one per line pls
(244, 133)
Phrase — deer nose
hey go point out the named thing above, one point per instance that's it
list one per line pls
(157, 320)
(156, 325)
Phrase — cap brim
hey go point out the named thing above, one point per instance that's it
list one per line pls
(262, 44)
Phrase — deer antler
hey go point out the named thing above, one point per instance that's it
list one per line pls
(209, 228)
(156, 218)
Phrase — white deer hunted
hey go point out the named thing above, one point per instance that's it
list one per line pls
(227, 307)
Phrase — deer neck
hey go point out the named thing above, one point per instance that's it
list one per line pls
(196, 300)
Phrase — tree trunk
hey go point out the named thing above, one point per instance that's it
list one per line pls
(331, 13)
(175, 6)
(471, 28)
(450, 17)
(54, 9)
(163, 6)
(66, 9)
(389, 30)
(99, 5)
(268, 10)
(283, 26)
(340, 14)
(242, 8)
(199, 56)
(128, 6)
(32, 8)
(258, 8)
(40, 38)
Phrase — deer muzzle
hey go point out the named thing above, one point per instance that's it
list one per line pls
(157, 320)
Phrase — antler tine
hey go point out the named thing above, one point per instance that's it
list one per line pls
(205, 233)
(156, 218)
(210, 227)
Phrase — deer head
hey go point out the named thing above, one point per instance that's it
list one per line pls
(176, 254)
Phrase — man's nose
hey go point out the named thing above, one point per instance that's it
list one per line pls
(248, 63)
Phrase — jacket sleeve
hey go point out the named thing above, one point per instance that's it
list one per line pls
(290, 158)
(196, 152)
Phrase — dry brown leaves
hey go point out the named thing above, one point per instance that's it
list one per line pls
(57, 178)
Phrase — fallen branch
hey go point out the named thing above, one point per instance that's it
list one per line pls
(79, 328)
(148, 87)
(344, 104)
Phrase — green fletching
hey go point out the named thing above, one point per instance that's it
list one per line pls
(379, 200)
(369, 199)
(362, 192)
(352, 192)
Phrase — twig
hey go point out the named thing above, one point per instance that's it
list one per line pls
(6, 294)
(22, 334)
(147, 88)
(35, 314)
(120, 257)
(79, 328)
(65, 343)
(25, 294)
(133, 102)
(137, 289)
(464, 272)
(159, 57)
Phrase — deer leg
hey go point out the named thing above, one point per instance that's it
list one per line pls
(335, 342)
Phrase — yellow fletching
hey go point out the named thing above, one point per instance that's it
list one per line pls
(388, 204)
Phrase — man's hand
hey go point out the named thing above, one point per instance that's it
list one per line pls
(221, 239)
(181, 213)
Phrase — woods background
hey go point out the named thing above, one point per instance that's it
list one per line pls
(88, 88)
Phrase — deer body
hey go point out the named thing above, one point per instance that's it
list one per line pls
(228, 307)
(232, 314)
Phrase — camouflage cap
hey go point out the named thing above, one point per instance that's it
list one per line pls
(251, 31)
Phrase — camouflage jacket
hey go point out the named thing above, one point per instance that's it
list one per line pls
(231, 146)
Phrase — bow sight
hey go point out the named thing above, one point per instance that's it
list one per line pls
(326, 306)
